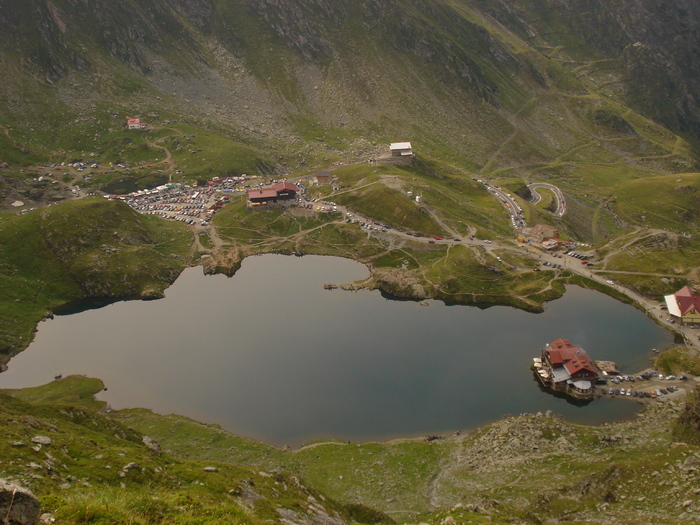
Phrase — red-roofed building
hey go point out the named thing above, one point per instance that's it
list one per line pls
(134, 123)
(281, 192)
(285, 190)
(684, 306)
(540, 233)
(567, 368)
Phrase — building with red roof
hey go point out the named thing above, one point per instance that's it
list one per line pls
(684, 306)
(277, 194)
(565, 367)
(540, 233)
(134, 123)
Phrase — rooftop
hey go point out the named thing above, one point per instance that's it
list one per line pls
(682, 302)
(573, 357)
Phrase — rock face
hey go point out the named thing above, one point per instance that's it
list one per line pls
(655, 42)
(18, 506)
(654, 45)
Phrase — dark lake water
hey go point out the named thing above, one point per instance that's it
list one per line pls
(271, 355)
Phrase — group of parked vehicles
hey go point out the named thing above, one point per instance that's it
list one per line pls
(553, 265)
(653, 393)
(583, 258)
(639, 393)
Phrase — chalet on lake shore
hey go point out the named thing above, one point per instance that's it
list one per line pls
(565, 367)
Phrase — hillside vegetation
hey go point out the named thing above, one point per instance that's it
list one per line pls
(98, 467)
(492, 86)
(78, 250)
(598, 97)
(92, 469)
(528, 91)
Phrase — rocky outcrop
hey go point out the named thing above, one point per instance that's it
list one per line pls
(458, 71)
(18, 506)
(687, 427)
(657, 43)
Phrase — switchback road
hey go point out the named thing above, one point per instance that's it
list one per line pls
(536, 197)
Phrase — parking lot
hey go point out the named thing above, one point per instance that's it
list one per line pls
(194, 205)
(648, 386)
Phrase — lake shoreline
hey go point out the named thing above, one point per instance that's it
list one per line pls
(398, 367)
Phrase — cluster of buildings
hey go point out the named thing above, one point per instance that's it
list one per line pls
(684, 306)
(565, 367)
(542, 234)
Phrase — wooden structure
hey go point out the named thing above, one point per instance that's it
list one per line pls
(565, 367)
(684, 306)
(277, 194)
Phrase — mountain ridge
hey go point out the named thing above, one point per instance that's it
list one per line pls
(277, 71)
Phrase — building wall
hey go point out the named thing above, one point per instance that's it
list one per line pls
(691, 317)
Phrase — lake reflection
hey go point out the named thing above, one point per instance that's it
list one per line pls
(271, 355)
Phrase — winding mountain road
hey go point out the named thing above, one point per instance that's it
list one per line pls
(561, 201)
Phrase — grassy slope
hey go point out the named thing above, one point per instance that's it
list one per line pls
(82, 476)
(81, 249)
(577, 473)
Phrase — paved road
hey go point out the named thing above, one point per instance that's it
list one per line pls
(561, 201)
(691, 336)
(514, 210)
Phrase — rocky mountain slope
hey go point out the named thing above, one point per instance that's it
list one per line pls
(329, 79)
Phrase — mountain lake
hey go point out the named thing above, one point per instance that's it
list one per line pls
(271, 355)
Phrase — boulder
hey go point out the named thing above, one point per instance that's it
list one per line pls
(18, 506)
(151, 444)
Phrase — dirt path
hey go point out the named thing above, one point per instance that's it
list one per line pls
(440, 222)
(636, 236)
(168, 160)
(7, 132)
